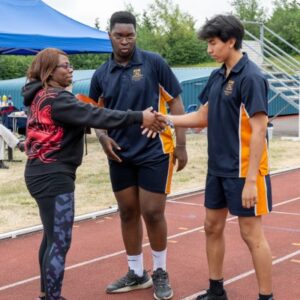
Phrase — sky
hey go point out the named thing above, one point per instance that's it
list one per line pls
(86, 11)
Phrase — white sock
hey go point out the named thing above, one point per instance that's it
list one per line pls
(136, 263)
(159, 259)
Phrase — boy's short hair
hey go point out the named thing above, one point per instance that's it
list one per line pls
(223, 27)
(123, 17)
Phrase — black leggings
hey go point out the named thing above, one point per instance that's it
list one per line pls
(57, 215)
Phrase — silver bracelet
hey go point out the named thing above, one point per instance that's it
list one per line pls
(170, 123)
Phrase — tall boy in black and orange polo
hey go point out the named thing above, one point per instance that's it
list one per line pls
(146, 81)
(140, 168)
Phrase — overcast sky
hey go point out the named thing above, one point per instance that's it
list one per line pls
(86, 11)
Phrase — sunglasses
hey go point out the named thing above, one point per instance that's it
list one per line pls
(65, 66)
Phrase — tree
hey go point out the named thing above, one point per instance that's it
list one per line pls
(249, 10)
(87, 61)
(285, 21)
(97, 23)
(163, 28)
(12, 66)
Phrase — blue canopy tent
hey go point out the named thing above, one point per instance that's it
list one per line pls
(27, 26)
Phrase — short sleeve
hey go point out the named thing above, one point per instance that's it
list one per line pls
(167, 78)
(95, 88)
(254, 91)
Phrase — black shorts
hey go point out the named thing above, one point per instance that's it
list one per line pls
(221, 192)
(153, 175)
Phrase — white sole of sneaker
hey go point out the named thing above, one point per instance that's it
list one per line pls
(164, 298)
(129, 288)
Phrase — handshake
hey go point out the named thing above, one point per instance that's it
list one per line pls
(153, 122)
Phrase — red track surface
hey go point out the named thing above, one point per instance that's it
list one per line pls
(97, 257)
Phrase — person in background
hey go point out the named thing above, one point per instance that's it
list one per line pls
(6, 136)
(4, 100)
(235, 108)
(54, 146)
(140, 168)
(10, 101)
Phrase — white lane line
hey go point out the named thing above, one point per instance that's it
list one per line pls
(284, 171)
(286, 202)
(246, 274)
(174, 199)
(100, 258)
(286, 213)
(185, 203)
(197, 204)
(5, 287)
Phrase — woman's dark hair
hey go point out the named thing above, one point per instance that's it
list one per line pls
(223, 27)
(44, 64)
(123, 17)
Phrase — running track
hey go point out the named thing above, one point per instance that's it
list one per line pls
(97, 256)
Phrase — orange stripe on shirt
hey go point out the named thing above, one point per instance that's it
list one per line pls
(166, 136)
(245, 137)
(245, 133)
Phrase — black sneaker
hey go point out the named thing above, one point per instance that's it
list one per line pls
(162, 288)
(210, 296)
(129, 283)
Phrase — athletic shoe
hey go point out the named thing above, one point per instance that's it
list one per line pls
(129, 283)
(210, 296)
(162, 288)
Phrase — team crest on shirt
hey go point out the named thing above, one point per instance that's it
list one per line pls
(137, 74)
(229, 87)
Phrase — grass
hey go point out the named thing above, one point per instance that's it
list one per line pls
(93, 189)
(201, 65)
